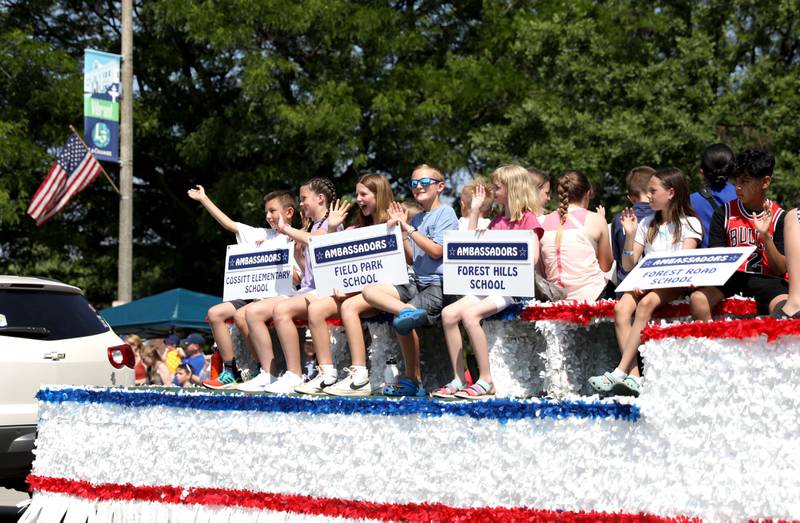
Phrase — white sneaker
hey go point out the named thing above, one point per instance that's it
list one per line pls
(354, 384)
(319, 382)
(258, 383)
(285, 384)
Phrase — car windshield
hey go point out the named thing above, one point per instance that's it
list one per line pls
(47, 315)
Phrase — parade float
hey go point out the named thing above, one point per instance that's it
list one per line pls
(713, 436)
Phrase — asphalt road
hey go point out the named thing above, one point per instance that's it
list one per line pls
(8, 504)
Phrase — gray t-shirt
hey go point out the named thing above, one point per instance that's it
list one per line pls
(432, 224)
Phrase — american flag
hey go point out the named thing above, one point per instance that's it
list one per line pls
(74, 169)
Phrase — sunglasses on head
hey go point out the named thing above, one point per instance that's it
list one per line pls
(423, 182)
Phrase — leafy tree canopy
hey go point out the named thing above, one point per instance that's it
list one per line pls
(247, 96)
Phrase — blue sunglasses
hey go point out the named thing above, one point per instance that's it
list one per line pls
(423, 182)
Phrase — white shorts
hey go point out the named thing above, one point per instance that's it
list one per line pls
(500, 302)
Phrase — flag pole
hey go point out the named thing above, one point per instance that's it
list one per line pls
(100, 164)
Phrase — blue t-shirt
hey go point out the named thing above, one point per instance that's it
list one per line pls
(642, 210)
(196, 362)
(705, 210)
(432, 224)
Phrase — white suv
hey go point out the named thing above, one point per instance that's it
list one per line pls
(49, 334)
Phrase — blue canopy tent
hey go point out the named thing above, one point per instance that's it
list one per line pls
(174, 310)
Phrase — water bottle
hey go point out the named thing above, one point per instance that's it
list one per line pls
(391, 372)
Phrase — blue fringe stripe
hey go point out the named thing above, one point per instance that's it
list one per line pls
(501, 410)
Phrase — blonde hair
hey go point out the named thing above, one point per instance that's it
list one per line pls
(572, 187)
(468, 191)
(432, 170)
(134, 341)
(523, 195)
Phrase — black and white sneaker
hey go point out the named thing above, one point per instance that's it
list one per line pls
(315, 385)
(356, 383)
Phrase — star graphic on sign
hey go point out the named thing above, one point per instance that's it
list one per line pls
(451, 251)
(523, 251)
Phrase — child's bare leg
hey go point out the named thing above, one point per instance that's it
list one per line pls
(644, 312)
(791, 238)
(384, 298)
(286, 311)
(703, 301)
(257, 315)
(451, 317)
(351, 311)
(409, 345)
(318, 312)
(623, 316)
(240, 320)
(217, 315)
(472, 323)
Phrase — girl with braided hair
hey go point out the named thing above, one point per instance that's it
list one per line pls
(576, 249)
(322, 212)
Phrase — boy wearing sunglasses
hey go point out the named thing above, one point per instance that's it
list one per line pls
(420, 301)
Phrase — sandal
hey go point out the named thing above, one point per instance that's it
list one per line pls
(780, 314)
(480, 390)
(448, 390)
(604, 384)
(404, 387)
(627, 387)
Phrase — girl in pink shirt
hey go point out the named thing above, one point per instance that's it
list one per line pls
(576, 249)
(519, 198)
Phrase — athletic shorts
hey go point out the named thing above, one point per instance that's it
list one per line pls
(238, 304)
(428, 297)
(500, 302)
(762, 288)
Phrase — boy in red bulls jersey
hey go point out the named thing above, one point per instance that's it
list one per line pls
(750, 219)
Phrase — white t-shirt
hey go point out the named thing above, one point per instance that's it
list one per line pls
(483, 223)
(254, 235)
(690, 228)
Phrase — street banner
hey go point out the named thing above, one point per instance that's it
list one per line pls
(259, 271)
(489, 262)
(101, 102)
(691, 267)
(350, 260)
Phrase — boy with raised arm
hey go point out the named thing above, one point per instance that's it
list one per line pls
(276, 203)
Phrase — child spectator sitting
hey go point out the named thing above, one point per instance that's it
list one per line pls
(576, 251)
(717, 164)
(183, 375)
(751, 219)
(194, 357)
(157, 371)
(467, 193)
(170, 352)
(637, 181)
(419, 302)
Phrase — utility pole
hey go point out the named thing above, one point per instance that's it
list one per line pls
(125, 263)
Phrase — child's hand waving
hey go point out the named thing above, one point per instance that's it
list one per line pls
(198, 193)
(337, 213)
(478, 198)
(628, 221)
(763, 221)
(397, 214)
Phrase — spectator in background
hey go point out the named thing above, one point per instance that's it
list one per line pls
(157, 371)
(171, 353)
(194, 357)
(139, 368)
(183, 376)
(637, 181)
(717, 164)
